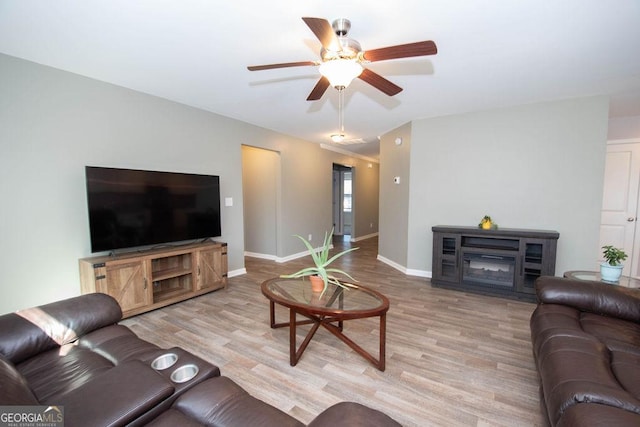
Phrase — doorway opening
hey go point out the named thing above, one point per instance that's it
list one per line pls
(343, 211)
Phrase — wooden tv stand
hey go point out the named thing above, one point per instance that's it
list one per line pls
(144, 281)
(502, 262)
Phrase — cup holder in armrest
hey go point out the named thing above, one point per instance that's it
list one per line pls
(164, 361)
(184, 373)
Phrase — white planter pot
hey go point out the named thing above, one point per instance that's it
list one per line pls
(610, 273)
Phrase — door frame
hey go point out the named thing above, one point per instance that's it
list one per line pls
(337, 177)
(632, 264)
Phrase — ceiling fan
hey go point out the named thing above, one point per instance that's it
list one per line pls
(342, 58)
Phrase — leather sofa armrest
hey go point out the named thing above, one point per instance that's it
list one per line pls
(117, 397)
(595, 297)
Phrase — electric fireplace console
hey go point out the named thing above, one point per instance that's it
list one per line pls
(502, 262)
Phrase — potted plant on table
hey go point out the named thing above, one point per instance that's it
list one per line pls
(611, 269)
(321, 274)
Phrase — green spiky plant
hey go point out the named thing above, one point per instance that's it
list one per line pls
(322, 261)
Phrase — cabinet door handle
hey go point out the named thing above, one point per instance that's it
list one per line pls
(198, 270)
(631, 219)
(145, 283)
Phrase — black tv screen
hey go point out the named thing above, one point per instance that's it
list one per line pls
(130, 208)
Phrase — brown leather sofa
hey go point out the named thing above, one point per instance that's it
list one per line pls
(73, 353)
(586, 345)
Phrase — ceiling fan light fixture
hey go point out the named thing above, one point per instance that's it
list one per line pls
(337, 138)
(341, 72)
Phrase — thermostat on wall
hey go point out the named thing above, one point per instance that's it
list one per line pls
(396, 180)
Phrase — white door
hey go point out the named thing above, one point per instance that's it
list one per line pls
(620, 203)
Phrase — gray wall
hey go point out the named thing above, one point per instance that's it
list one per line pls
(366, 193)
(624, 127)
(535, 166)
(53, 123)
(394, 198)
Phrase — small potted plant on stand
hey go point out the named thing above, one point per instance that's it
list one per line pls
(320, 274)
(611, 269)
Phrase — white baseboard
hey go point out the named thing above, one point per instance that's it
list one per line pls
(238, 272)
(261, 256)
(392, 264)
(418, 273)
(403, 269)
(281, 259)
(368, 236)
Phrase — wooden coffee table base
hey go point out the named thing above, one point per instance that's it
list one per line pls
(328, 322)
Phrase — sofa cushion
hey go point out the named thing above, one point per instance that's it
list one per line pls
(220, 402)
(29, 332)
(115, 398)
(118, 344)
(173, 418)
(595, 415)
(610, 330)
(624, 365)
(14, 389)
(578, 366)
(59, 371)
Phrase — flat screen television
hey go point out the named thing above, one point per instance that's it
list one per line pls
(132, 208)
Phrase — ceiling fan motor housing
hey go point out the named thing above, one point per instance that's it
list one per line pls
(350, 47)
(341, 26)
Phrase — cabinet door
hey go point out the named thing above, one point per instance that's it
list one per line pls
(127, 283)
(537, 258)
(446, 258)
(211, 271)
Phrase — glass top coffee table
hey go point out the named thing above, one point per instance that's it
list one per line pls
(625, 281)
(329, 310)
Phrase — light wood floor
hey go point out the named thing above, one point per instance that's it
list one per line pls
(453, 359)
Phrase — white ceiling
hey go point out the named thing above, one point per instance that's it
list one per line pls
(492, 53)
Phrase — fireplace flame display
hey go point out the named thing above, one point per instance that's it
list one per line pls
(489, 270)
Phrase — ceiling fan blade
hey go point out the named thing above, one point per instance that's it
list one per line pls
(324, 32)
(379, 82)
(282, 65)
(319, 89)
(401, 51)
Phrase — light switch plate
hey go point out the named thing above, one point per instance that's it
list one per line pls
(228, 201)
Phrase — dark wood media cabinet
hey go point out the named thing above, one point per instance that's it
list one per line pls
(502, 262)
